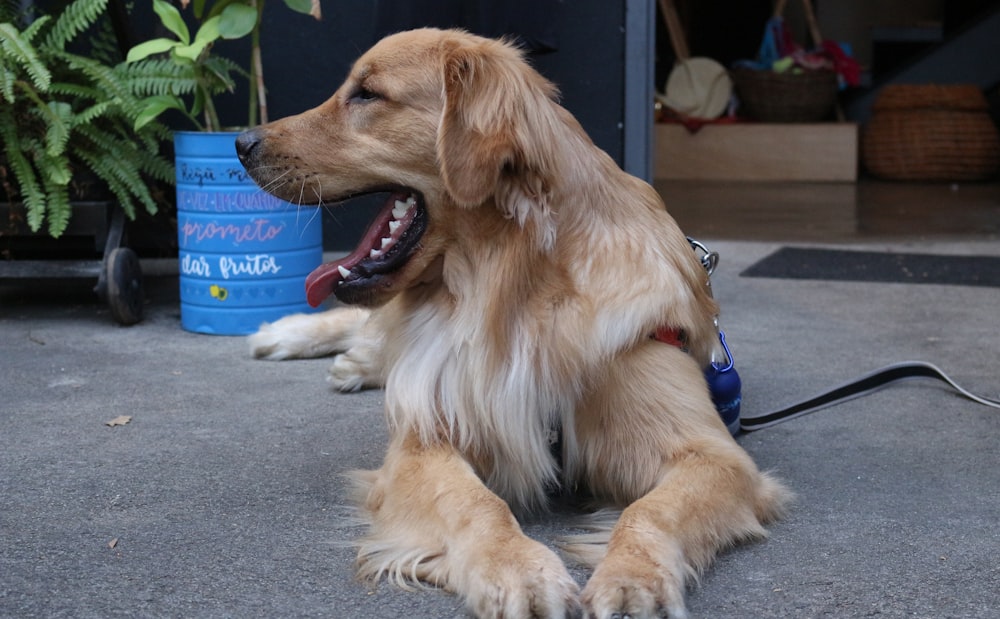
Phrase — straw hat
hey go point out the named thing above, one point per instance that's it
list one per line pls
(698, 88)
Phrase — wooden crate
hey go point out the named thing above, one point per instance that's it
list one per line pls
(822, 152)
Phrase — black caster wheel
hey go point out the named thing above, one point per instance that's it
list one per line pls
(124, 280)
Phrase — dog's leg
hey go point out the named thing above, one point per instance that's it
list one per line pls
(305, 336)
(434, 520)
(651, 439)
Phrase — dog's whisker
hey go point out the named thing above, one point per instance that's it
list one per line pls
(312, 216)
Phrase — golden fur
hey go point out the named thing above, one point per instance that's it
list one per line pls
(528, 306)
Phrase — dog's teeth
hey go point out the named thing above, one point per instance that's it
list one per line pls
(387, 241)
(399, 210)
(343, 272)
(393, 226)
(374, 253)
(411, 201)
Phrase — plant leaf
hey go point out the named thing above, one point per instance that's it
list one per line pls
(172, 20)
(209, 31)
(237, 21)
(302, 6)
(150, 47)
(156, 105)
(191, 52)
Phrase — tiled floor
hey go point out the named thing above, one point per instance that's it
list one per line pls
(834, 212)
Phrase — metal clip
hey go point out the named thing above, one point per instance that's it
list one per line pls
(709, 259)
(729, 356)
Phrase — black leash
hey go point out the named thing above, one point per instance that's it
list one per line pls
(725, 385)
(864, 385)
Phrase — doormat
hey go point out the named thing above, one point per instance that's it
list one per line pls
(866, 266)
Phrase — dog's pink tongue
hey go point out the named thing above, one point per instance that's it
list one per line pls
(322, 281)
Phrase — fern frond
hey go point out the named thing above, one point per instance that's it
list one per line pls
(90, 114)
(157, 76)
(71, 90)
(53, 171)
(73, 20)
(219, 69)
(152, 163)
(24, 173)
(116, 161)
(18, 49)
(58, 128)
(7, 79)
(102, 77)
(52, 115)
(106, 169)
(36, 26)
(57, 209)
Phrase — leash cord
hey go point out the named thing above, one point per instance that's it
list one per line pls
(858, 387)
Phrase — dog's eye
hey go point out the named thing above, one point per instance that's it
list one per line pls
(363, 95)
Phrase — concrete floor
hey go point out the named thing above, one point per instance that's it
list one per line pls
(222, 497)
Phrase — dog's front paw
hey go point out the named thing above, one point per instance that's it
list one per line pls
(290, 337)
(352, 372)
(522, 580)
(635, 585)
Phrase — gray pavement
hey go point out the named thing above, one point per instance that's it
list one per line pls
(225, 499)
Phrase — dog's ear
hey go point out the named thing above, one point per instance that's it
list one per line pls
(497, 136)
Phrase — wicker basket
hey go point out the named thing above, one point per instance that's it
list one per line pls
(931, 133)
(767, 96)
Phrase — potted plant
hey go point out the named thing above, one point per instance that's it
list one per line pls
(63, 115)
(244, 254)
(71, 160)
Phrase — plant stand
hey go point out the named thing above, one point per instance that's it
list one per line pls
(119, 275)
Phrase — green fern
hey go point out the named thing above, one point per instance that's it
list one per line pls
(74, 19)
(58, 208)
(116, 159)
(16, 48)
(156, 77)
(64, 112)
(7, 81)
(24, 172)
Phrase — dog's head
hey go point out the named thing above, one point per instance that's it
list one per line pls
(455, 128)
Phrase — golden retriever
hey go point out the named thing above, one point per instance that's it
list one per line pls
(518, 275)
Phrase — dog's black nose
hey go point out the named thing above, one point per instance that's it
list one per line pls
(246, 142)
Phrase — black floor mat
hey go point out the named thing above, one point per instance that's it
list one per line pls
(864, 266)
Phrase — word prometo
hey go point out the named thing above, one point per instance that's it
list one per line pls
(257, 230)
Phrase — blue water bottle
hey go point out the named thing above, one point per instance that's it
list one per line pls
(726, 388)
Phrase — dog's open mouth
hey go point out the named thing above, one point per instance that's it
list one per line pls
(387, 245)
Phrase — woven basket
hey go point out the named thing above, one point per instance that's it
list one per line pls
(767, 96)
(931, 133)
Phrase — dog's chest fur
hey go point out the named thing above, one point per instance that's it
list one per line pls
(487, 389)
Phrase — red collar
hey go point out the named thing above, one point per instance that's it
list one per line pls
(672, 336)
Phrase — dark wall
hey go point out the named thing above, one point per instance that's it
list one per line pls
(306, 60)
